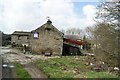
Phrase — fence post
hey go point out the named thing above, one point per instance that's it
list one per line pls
(0, 55)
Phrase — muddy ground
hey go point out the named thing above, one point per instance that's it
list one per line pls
(15, 55)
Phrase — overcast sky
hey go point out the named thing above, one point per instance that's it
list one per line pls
(27, 15)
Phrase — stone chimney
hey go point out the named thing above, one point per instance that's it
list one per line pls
(49, 21)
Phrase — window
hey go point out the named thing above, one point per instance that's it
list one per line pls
(48, 29)
(36, 35)
(19, 37)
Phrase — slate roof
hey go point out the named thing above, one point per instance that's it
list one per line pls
(47, 25)
(20, 33)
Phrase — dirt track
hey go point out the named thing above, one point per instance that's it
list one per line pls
(34, 71)
(26, 61)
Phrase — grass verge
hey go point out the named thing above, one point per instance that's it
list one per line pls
(20, 71)
(69, 67)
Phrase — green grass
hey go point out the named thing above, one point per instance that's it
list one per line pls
(20, 71)
(69, 67)
(54, 68)
(93, 74)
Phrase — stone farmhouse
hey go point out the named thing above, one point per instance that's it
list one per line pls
(46, 39)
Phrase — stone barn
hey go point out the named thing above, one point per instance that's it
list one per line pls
(46, 39)
(20, 38)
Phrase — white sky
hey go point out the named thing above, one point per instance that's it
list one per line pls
(27, 15)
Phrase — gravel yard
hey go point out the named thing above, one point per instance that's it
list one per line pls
(18, 56)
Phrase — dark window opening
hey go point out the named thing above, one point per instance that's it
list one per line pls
(48, 29)
(19, 37)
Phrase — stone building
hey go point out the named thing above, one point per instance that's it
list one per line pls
(20, 38)
(46, 39)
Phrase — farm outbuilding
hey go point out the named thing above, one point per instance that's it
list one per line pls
(70, 50)
(47, 39)
(71, 47)
(20, 38)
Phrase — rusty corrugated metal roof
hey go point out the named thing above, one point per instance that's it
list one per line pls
(74, 42)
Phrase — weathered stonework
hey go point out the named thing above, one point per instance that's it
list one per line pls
(45, 39)
(50, 40)
(20, 38)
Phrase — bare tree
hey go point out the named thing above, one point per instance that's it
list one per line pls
(109, 13)
(106, 32)
(73, 31)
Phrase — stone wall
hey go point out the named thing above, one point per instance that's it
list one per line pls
(19, 40)
(49, 40)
